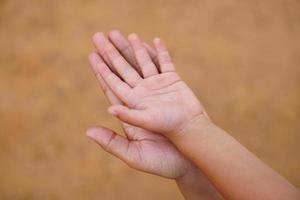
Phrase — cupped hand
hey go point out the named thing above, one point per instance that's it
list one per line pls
(154, 97)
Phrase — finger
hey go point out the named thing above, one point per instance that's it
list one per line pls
(114, 144)
(124, 47)
(152, 53)
(147, 66)
(164, 57)
(104, 56)
(119, 63)
(113, 99)
(102, 72)
(130, 116)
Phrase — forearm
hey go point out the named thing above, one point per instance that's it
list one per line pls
(229, 165)
(194, 185)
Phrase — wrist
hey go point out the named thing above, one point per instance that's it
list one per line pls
(199, 125)
(195, 185)
(191, 172)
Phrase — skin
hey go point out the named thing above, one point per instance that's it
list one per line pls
(156, 99)
(235, 171)
(141, 149)
(146, 96)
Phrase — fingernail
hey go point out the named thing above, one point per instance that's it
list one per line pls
(99, 38)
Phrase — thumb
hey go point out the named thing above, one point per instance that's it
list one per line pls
(131, 116)
(112, 143)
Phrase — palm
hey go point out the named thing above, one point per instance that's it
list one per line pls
(153, 153)
(166, 100)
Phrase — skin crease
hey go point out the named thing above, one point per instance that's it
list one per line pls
(156, 99)
(142, 149)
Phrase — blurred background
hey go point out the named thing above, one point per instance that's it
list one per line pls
(241, 58)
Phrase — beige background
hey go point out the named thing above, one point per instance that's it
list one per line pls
(242, 58)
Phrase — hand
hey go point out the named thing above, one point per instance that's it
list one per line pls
(143, 150)
(157, 99)
(154, 99)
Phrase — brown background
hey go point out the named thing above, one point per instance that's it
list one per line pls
(241, 57)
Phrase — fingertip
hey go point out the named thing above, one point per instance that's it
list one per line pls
(112, 110)
(100, 135)
(95, 61)
(117, 38)
(114, 33)
(117, 110)
(98, 37)
(91, 132)
(92, 56)
(159, 45)
(133, 37)
(156, 40)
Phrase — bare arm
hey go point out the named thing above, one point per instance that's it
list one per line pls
(194, 185)
(235, 171)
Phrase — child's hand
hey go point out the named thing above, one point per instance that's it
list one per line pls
(143, 150)
(157, 100)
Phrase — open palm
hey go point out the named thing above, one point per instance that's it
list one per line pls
(154, 97)
(161, 103)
